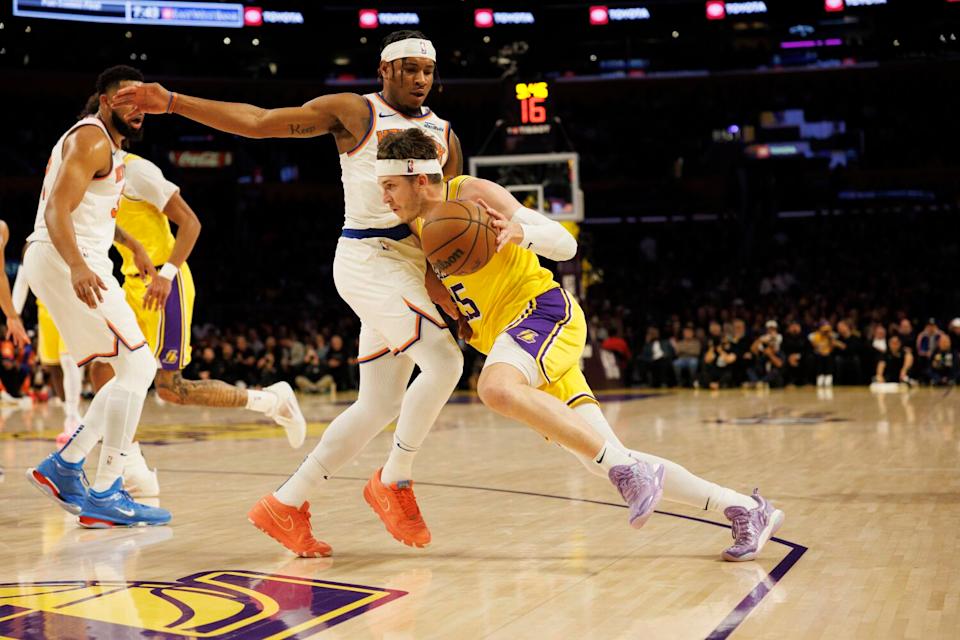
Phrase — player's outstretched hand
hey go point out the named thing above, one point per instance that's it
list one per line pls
(87, 285)
(148, 97)
(507, 230)
(157, 293)
(16, 332)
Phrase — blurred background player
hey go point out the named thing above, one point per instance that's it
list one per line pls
(67, 265)
(164, 310)
(378, 270)
(534, 332)
(59, 368)
(16, 335)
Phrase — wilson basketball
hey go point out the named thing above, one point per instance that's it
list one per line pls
(458, 238)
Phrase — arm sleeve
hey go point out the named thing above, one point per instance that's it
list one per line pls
(544, 236)
(20, 290)
(145, 181)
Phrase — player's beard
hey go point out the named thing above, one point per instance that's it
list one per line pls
(124, 129)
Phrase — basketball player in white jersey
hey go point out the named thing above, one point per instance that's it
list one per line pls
(378, 270)
(68, 267)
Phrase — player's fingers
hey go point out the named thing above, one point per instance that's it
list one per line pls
(100, 283)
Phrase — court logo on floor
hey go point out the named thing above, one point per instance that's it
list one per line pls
(226, 605)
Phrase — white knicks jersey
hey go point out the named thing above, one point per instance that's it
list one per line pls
(363, 201)
(94, 220)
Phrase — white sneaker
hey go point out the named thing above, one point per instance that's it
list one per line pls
(138, 479)
(287, 414)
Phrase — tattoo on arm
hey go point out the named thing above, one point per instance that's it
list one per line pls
(302, 129)
(207, 393)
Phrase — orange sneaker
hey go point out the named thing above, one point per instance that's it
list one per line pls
(397, 507)
(288, 526)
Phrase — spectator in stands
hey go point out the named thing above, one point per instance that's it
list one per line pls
(337, 362)
(796, 349)
(824, 343)
(657, 358)
(208, 367)
(927, 342)
(14, 371)
(905, 331)
(954, 333)
(896, 363)
(228, 359)
(718, 358)
(620, 350)
(768, 357)
(740, 346)
(267, 371)
(245, 362)
(943, 363)
(687, 362)
(849, 354)
(315, 376)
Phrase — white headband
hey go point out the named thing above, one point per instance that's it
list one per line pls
(408, 167)
(409, 48)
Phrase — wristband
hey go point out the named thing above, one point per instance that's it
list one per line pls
(172, 101)
(168, 271)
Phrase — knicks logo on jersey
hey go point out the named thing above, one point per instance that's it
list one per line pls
(528, 335)
(171, 356)
(226, 605)
(441, 150)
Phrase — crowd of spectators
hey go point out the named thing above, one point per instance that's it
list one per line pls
(733, 354)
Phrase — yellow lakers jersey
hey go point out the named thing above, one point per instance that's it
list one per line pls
(143, 218)
(491, 298)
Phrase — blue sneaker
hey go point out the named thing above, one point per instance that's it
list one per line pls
(115, 508)
(61, 481)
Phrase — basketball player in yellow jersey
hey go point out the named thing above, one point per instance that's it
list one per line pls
(534, 332)
(164, 309)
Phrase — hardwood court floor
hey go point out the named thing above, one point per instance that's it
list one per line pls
(526, 543)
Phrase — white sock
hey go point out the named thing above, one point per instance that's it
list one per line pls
(261, 401)
(122, 416)
(610, 456)
(399, 465)
(309, 475)
(72, 381)
(78, 447)
(110, 467)
(382, 384)
(441, 364)
(679, 485)
(91, 430)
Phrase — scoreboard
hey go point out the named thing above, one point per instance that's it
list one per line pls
(176, 13)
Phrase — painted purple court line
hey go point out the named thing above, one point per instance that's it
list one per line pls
(726, 627)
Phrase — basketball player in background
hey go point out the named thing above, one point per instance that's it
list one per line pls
(68, 267)
(15, 330)
(59, 368)
(534, 332)
(379, 271)
(163, 305)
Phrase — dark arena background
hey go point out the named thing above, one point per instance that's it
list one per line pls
(765, 198)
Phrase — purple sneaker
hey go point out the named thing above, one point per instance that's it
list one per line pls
(641, 486)
(751, 529)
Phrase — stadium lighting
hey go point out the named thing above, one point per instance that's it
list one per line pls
(483, 18)
(599, 15)
(369, 19)
(716, 10)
